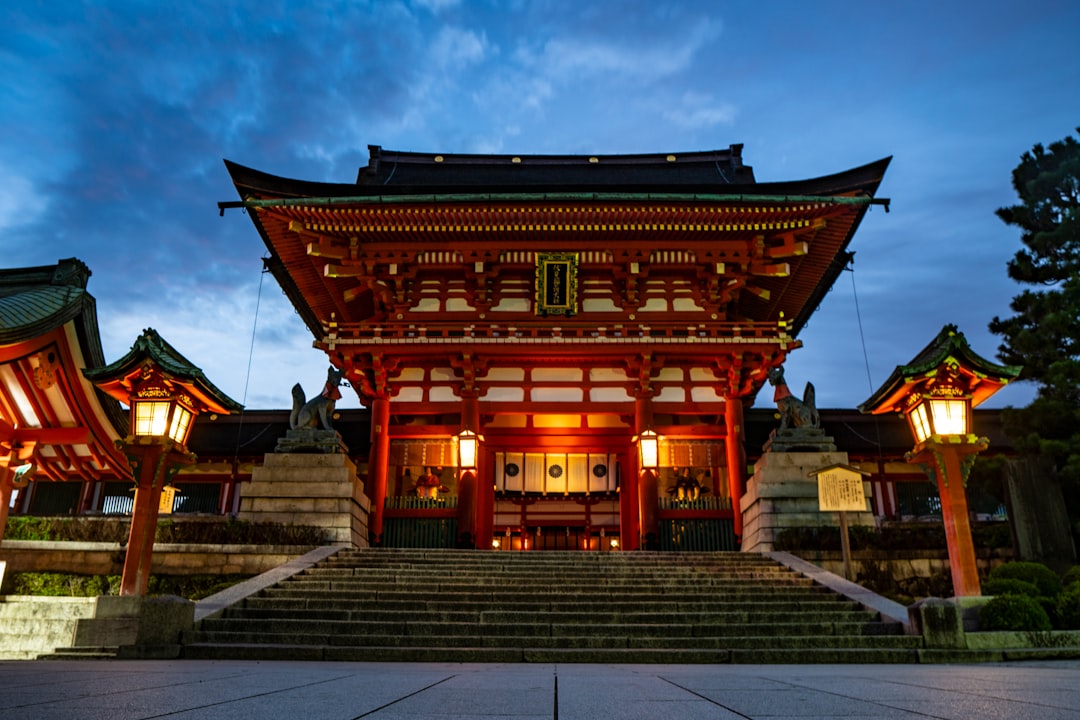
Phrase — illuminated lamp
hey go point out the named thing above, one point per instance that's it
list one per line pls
(936, 392)
(649, 450)
(160, 411)
(165, 393)
(938, 414)
(468, 449)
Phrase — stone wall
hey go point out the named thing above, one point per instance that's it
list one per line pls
(169, 559)
(782, 494)
(905, 568)
(322, 490)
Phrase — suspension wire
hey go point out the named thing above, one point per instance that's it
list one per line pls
(247, 377)
(866, 360)
(858, 317)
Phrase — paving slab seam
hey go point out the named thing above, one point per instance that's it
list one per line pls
(382, 707)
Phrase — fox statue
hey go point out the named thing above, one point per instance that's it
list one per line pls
(319, 409)
(793, 412)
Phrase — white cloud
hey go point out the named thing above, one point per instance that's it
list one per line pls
(569, 58)
(697, 111)
(436, 6)
(455, 48)
(20, 203)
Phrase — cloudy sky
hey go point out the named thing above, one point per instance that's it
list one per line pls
(116, 116)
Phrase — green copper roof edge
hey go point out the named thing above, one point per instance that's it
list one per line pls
(506, 197)
(151, 344)
(950, 341)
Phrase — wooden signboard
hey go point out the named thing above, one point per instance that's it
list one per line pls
(841, 489)
(168, 495)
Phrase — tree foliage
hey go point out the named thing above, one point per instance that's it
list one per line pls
(1044, 333)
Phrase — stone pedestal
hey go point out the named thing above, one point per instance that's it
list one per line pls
(782, 494)
(322, 490)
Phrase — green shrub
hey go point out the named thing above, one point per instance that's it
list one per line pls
(169, 530)
(1068, 608)
(64, 584)
(1013, 612)
(192, 587)
(1009, 586)
(1072, 576)
(1039, 575)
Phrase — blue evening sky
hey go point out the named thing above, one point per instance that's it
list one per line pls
(115, 117)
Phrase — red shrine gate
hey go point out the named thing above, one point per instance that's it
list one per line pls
(558, 307)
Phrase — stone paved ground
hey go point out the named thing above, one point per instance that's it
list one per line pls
(186, 690)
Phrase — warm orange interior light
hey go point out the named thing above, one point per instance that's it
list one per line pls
(949, 416)
(468, 449)
(920, 424)
(649, 449)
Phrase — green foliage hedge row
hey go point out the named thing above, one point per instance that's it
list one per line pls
(1028, 596)
(192, 587)
(1013, 612)
(208, 532)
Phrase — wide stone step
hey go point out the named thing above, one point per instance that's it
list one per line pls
(314, 629)
(596, 608)
(496, 598)
(551, 655)
(742, 642)
(735, 615)
(746, 580)
(462, 606)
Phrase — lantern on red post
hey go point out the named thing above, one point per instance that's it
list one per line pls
(468, 449)
(649, 450)
(165, 393)
(936, 392)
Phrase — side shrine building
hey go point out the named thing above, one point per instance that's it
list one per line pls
(562, 309)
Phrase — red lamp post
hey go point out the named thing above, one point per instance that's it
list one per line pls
(165, 393)
(936, 392)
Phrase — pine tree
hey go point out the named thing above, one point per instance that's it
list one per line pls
(1044, 334)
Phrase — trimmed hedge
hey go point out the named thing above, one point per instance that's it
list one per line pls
(1068, 607)
(1010, 586)
(115, 530)
(192, 587)
(1013, 612)
(1042, 577)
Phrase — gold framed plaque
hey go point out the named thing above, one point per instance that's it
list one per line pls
(556, 283)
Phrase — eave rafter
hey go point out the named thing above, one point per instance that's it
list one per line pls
(524, 221)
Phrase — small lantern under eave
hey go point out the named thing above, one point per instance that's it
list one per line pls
(649, 449)
(468, 449)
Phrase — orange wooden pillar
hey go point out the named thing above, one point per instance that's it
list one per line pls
(485, 504)
(648, 495)
(153, 461)
(943, 463)
(472, 498)
(735, 452)
(629, 520)
(378, 466)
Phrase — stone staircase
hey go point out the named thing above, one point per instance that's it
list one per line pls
(468, 606)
